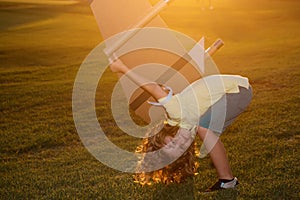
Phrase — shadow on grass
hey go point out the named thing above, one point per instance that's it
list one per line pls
(13, 14)
(227, 194)
(188, 191)
(182, 191)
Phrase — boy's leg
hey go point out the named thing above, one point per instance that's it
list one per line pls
(217, 153)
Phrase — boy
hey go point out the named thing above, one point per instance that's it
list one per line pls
(208, 99)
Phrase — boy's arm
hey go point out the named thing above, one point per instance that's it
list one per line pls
(151, 87)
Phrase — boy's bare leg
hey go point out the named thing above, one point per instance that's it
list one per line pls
(217, 153)
(151, 87)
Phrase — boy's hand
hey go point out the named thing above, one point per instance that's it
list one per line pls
(118, 66)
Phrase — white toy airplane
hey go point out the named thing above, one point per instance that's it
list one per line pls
(125, 27)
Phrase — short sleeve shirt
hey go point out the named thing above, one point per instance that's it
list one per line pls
(185, 109)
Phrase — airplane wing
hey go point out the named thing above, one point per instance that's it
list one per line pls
(125, 23)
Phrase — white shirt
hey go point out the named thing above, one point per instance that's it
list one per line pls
(185, 109)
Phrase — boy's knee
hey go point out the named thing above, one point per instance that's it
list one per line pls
(201, 132)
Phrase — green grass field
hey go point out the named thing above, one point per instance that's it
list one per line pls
(41, 48)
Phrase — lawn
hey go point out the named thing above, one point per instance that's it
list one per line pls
(42, 46)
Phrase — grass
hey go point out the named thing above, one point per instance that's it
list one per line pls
(41, 49)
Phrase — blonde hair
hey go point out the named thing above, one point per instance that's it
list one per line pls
(176, 172)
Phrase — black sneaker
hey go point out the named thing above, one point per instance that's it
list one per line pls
(220, 185)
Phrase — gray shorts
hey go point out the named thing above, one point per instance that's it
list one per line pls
(236, 103)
